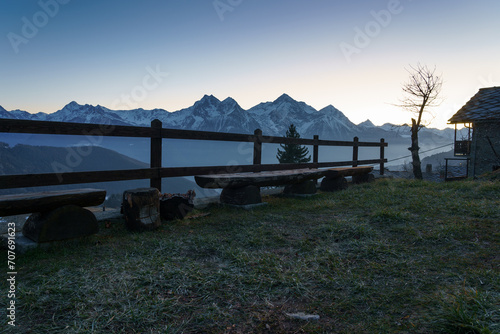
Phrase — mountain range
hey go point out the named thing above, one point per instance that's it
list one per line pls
(273, 118)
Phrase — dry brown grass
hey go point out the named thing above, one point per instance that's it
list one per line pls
(394, 256)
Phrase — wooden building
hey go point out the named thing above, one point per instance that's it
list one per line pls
(481, 147)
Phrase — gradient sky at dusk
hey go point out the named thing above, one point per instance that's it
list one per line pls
(98, 51)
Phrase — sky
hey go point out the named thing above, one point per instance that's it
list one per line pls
(167, 54)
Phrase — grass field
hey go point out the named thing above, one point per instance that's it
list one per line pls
(394, 256)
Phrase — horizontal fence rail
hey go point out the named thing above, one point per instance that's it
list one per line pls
(107, 130)
(156, 172)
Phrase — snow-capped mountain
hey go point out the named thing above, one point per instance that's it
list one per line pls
(75, 113)
(330, 123)
(14, 114)
(367, 124)
(211, 114)
(425, 134)
(275, 117)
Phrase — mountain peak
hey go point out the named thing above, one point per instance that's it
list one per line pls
(331, 109)
(207, 101)
(367, 124)
(335, 113)
(229, 102)
(72, 106)
(228, 106)
(2, 109)
(284, 98)
(210, 98)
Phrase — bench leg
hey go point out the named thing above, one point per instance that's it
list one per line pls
(241, 196)
(304, 188)
(333, 184)
(66, 222)
(363, 178)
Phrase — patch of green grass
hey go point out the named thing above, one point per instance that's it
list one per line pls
(469, 311)
(385, 257)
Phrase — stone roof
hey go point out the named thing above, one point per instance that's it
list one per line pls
(483, 106)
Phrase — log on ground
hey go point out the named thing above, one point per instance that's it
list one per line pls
(175, 208)
(141, 208)
(66, 222)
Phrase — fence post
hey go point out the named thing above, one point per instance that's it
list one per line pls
(316, 150)
(355, 148)
(257, 147)
(156, 125)
(382, 148)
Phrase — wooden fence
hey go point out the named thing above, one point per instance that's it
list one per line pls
(156, 172)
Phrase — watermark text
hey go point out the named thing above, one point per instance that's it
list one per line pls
(31, 26)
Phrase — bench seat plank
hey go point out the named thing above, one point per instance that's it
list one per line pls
(275, 178)
(348, 171)
(49, 200)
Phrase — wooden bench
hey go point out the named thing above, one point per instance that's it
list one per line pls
(55, 215)
(244, 188)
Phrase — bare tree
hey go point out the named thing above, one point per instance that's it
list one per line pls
(421, 92)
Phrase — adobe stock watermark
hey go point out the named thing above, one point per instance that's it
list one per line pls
(246, 149)
(151, 81)
(372, 29)
(30, 27)
(75, 154)
(224, 6)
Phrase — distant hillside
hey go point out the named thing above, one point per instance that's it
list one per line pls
(437, 160)
(26, 159)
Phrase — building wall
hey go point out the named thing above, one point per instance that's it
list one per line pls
(483, 154)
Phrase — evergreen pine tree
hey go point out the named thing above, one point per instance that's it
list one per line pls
(293, 153)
